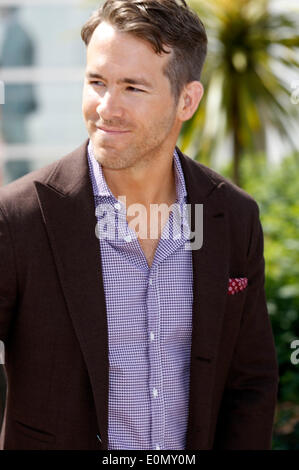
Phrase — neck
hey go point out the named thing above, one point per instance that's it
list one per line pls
(152, 184)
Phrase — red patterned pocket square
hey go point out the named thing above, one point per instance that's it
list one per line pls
(236, 284)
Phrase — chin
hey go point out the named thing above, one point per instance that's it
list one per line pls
(103, 153)
(113, 157)
(110, 159)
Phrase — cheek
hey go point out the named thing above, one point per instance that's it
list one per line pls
(156, 115)
(146, 113)
(89, 103)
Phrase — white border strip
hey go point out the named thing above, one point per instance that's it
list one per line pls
(33, 152)
(41, 74)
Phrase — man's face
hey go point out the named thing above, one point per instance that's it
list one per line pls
(129, 110)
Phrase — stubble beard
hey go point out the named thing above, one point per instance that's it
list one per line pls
(141, 153)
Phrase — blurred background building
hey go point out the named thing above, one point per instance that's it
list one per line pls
(17, 51)
(42, 60)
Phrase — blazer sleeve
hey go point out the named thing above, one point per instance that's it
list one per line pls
(8, 278)
(247, 410)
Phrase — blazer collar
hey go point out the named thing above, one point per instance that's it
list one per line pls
(72, 172)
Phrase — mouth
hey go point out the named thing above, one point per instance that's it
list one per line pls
(112, 131)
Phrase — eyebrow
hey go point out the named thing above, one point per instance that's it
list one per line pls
(131, 81)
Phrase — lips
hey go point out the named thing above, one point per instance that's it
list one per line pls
(112, 131)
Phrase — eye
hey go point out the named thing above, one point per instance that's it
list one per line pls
(136, 90)
(98, 83)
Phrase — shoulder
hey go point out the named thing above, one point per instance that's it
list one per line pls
(20, 195)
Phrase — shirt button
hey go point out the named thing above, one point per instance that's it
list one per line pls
(117, 205)
(152, 336)
(157, 447)
(127, 238)
(155, 392)
(150, 282)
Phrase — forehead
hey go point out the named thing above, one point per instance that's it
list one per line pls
(123, 51)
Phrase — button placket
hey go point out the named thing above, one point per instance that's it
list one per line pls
(157, 402)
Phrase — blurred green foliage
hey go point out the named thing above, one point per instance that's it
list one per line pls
(252, 55)
(276, 190)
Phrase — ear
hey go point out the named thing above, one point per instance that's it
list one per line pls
(189, 100)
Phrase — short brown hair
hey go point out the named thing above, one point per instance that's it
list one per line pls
(161, 23)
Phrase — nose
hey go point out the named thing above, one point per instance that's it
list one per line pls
(109, 106)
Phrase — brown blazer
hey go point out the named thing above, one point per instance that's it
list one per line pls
(53, 315)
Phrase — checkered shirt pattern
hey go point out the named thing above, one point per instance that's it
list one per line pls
(149, 316)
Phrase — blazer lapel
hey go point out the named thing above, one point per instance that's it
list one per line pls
(210, 278)
(67, 205)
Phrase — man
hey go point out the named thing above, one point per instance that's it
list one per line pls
(132, 341)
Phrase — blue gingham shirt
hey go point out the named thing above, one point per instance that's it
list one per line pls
(149, 315)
